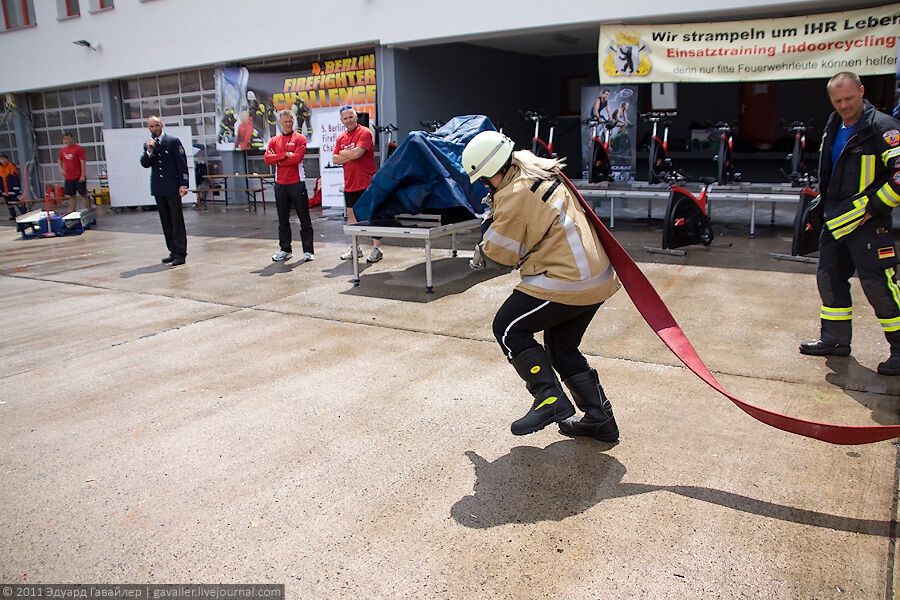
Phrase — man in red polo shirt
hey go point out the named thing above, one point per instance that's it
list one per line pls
(72, 165)
(286, 152)
(355, 150)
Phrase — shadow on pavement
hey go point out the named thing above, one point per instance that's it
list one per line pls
(449, 276)
(279, 266)
(568, 477)
(876, 392)
(145, 270)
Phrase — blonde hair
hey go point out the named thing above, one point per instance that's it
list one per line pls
(535, 167)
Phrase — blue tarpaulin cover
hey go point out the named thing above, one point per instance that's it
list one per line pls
(425, 175)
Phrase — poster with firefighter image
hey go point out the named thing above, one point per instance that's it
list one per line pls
(248, 100)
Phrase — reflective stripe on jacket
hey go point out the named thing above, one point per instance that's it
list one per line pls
(540, 229)
(866, 176)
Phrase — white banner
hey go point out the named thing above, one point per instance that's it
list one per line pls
(330, 127)
(816, 46)
(129, 182)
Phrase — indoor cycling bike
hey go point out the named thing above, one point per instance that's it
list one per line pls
(808, 219)
(600, 165)
(389, 145)
(431, 126)
(800, 175)
(660, 166)
(538, 146)
(687, 219)
(725, 173)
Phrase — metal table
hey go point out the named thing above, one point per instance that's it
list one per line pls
(414, 227)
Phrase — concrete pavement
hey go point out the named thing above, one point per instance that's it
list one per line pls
(238, 420)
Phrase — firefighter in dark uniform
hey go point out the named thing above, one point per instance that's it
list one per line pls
(227, 127)
(859, 174)
(303, 114)
(169, 180)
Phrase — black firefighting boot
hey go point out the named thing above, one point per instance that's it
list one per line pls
(598, 421)
(892, 365)
(550, 402)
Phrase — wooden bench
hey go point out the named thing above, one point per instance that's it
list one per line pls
(217, 190)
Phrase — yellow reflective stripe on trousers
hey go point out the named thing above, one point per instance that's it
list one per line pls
(892, 286)
(888, 196)
(830, 313)
(889, 325)
(866, 170)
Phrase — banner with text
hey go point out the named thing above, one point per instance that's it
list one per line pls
(248, 100)
(862, 41)
(330, 127)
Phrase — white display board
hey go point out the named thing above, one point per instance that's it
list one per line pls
(129, 182)
(330, 127)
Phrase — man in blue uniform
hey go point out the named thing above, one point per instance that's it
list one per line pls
(164, 155)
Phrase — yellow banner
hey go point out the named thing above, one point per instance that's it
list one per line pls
(862, 41)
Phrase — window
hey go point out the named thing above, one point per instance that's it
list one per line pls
(17, 13)
(181, 98)
(77, 110)
(98, 5)
(66, 9)
(8, 144)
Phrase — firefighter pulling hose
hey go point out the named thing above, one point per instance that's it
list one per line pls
(538, 227)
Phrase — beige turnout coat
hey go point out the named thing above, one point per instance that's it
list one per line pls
(541, 229)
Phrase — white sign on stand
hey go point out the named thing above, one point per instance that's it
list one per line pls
(129, 182)
(330, 127)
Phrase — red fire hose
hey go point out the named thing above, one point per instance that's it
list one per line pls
(658, 317)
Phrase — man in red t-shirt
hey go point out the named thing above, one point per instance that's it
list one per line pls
(71, 163)
(286, 152)
(355, 150)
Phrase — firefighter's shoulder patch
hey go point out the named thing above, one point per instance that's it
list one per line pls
(886, 252)
(896, 177)
(892, 137)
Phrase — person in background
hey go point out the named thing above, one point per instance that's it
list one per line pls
(73, 168)
(355, 150)
(286, 152)
(9, 174)
(169, 179)
(859, 186)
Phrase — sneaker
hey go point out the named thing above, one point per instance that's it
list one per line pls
(349, 254)
(308, 256)
(375, 255)
(282, 255)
